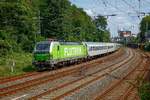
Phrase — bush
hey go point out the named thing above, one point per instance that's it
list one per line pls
(144, 91)
(23, 64)
(147, 47)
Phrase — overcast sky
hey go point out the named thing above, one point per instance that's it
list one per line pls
(126, 10)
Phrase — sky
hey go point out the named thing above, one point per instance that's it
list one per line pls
(127, 12)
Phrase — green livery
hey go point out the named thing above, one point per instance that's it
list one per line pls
(48, 53)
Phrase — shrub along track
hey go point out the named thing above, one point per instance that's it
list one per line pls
(126, 87)
(63, 90)
(12, 89)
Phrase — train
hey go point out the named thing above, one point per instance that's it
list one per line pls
(49, 54)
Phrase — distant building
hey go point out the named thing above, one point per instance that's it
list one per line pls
(123, 37)
(124, 34)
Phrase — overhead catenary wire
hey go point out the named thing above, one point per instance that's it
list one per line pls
(138, 13)
(107, 3)
(114, 6)
(118, 7)
(104, 3)
(147, 1)
(99, 2)
(139, 8)
(130, 5)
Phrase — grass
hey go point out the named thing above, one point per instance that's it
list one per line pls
(22, 63)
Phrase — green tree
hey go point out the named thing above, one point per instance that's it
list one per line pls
(51, 18)
(144, 27)
(64, 21)
(101, 25)
(18, 23)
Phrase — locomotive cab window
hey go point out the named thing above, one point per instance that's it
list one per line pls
(43, 47)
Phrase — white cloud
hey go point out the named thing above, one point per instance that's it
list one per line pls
(89, 12)
(120, 18)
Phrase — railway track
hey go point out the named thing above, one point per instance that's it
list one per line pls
(117, 89)
(32, 74)
(78, 81)
(131, 91)
(18, 87)
(70, 82)
(14, 78)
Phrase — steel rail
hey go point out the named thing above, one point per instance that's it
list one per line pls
(25, 85)
(116, 84)
(66, 84)
(91, 81)
(18, 77)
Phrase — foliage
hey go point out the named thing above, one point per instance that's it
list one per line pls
(102, 33)
(147, 46)
(68, 22)
(144, 27)
(144, 91)
(4, 48)
(17, 23)
(101, 22)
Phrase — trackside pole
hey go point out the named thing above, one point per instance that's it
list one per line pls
(13, 65)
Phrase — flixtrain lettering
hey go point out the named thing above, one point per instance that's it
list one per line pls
(72, 51)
